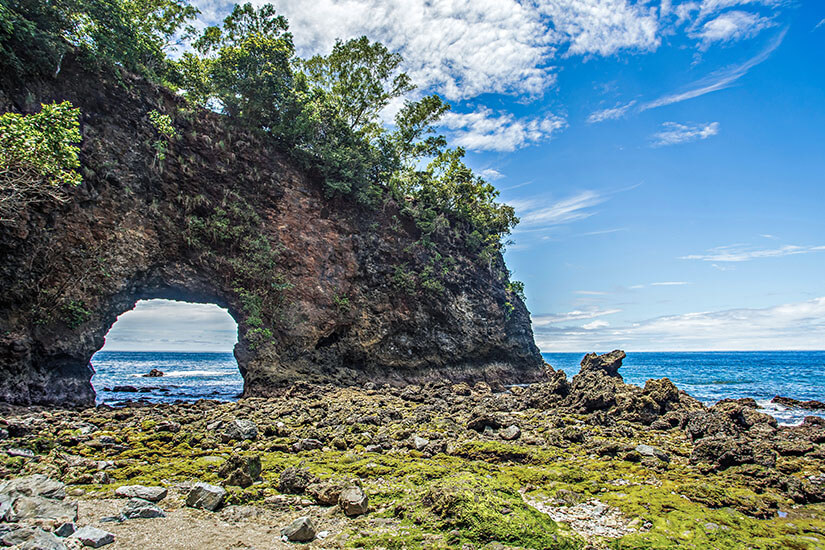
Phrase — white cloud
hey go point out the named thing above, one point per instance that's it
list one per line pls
(670, 283)
(739, 253)
(575, 315)
(590, 292)
(593, 325)
(484, 130)
(610, 114)
(732, 25)
(536, 214)
(603, 26)
(491, 174)
(799, 325)
(820, 24)
(166, 325)
(719, 80)
(673, 133)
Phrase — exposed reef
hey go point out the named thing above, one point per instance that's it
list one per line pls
(323, 289)
(442, 466)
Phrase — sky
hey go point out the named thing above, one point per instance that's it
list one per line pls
(666, 158)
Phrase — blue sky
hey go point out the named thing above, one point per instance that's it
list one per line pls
(667, 159)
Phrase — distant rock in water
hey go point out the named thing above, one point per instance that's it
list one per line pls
(324, 289)
(154, 373)
(797, 404)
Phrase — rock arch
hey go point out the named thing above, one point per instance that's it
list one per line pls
(322, 289)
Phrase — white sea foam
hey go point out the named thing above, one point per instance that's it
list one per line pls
(194, 373)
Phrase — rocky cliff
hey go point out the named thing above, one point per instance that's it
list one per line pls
(323, 289)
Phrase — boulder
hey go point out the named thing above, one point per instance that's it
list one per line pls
(353, 501)
(721, 452)
(300, 530)
(241, 470)
(93, 537)
(32, 538)
(205, 496)
(29, 508)
(326, 493)
(240, 429)
(608, 363)
(154, 373)
(152, 494)
(139, 508)
(37, 485)
(294, 481)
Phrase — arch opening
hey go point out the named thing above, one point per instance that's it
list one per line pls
(168, 350)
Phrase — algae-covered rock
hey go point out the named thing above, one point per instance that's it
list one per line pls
(241, 470)
(295, 481)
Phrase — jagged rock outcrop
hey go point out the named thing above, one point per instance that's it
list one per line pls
(322, 289)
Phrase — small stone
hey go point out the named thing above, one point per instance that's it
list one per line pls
(300, 530)
(139, 508)
(65, 529)
(489, 431)
(647, 450)
(326, 493)
(94, 537)
(240, 429)
(22, 453)
(152, 494)
(420, 443)
(353, 501)
(205, 496)
(154, 373)
(510, 433)
(374, 449)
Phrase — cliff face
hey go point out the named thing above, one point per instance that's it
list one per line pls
(322, 289)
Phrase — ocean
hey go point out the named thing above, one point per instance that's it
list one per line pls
(708, 376)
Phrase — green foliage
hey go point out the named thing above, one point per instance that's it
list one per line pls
(341, 302)
(36, 35)
(38, 156)
(164, 127)
(74, 313)
(517, 288)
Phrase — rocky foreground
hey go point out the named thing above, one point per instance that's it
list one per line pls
(584, 463)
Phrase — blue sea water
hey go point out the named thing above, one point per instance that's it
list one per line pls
(708, 376)
(187, 376)
(712, 376)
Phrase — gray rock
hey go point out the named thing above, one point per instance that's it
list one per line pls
(65, 529)
(36, 485)
(4, 434)
(5, 507)
(353, 501)
(420, 443)
(152, 494)
(308, 444)
(300, 530)
(647, 450)
(294, 481)
(23, 453)
(510, 433)
(94, 537)
(240, 429)
(206, 496)
(32, 538)
(25, 508)
(139, 508)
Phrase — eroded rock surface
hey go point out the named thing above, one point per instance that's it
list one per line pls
(323, 289)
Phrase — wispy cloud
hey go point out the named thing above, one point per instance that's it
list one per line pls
(540, 213)
(820, 24)
(575, 315)
(740, 253)
(799, 325)
(485, 130)
(732, 26)
(673, 133)
(719, 80)
(612, 113)
(491, 174)
(670, 283)
(590, 292)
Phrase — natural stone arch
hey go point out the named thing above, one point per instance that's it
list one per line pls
(318, 285)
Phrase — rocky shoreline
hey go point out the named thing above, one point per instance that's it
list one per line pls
(589, 462)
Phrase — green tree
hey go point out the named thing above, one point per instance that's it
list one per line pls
(38, 157)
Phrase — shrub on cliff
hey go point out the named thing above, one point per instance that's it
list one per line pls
(38, 157)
